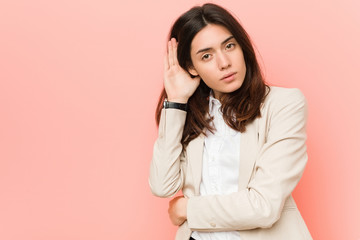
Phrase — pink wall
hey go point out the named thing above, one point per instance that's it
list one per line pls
(79, 82)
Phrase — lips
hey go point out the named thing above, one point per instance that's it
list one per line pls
(229, 76)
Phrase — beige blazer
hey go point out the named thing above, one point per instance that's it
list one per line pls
(273, 158)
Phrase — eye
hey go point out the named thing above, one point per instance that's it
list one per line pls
(230, 46)
(205, 56)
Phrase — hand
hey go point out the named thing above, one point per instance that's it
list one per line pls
(179, 85)
(177, 210)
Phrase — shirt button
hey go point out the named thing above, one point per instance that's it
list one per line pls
(213, 224)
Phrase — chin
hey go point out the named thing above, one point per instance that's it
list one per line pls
(234, 88)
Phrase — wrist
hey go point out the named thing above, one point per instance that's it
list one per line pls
(175, 105)
(178, 100)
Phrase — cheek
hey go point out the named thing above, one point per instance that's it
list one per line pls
(209, 80)
(206, 71)
(206, 77)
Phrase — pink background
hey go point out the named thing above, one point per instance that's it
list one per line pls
(79, 81)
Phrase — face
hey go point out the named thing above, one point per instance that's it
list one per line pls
(218, 59)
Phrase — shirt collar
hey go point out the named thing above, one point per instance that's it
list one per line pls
(213, 103)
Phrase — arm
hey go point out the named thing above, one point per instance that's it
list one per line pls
(277, 171)
(167, 165)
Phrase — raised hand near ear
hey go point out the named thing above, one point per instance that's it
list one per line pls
(179, 85)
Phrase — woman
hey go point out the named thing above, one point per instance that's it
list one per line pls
(233, 145)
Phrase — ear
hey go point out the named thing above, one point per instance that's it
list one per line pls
(193, 71)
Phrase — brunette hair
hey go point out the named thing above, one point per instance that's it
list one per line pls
(239, 107)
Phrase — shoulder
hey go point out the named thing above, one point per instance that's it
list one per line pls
(279, 94)
(284, 111)
(283, 102)
(279, 97)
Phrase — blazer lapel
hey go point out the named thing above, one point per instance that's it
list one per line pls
(195, 157)
(248, 153)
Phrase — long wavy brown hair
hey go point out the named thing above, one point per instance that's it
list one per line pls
(239, 107)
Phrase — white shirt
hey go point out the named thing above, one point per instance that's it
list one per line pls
(220, 167)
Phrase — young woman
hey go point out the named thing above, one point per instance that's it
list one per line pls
(233, 145)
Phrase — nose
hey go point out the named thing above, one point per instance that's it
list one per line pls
(223, 61)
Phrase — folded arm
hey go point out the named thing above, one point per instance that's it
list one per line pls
(278, 169)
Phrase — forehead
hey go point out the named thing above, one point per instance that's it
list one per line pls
(210, 36)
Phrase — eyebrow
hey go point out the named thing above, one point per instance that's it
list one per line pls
(207, 49)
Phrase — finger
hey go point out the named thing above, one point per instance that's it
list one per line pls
(166, 63)
(170, 54)
(174, 49)
(176, 58)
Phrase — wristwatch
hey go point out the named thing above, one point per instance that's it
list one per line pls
(181, 106)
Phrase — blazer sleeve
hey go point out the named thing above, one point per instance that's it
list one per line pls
(167, 166)
(277, 170)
